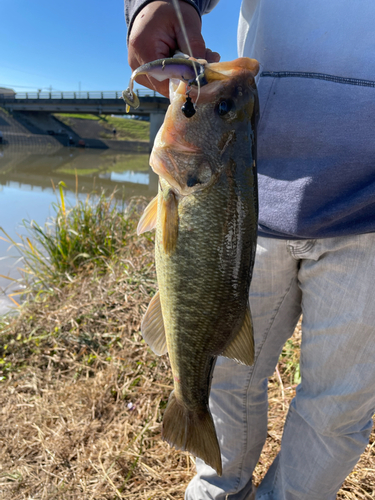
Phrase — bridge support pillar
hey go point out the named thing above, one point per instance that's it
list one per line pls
(156, 121)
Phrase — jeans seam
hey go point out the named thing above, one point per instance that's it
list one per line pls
(244, 417)
(278, 466)
(272, 320)
(250, 380)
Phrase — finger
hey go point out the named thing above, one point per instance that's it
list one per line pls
(212, 57)
(195, 39)
(139, 54)
(135, 61)
(196, 42)
(151, 83)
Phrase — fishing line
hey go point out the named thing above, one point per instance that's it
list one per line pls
(184, 33)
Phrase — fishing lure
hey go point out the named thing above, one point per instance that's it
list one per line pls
(189, 71)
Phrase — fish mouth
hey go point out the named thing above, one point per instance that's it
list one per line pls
(185, 166)
(220, 75)
(174, 159)
(190, 71)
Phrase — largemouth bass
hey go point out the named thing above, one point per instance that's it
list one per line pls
(205, 216)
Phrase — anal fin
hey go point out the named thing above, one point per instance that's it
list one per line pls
(152, 327)
(149, 217)
(241, 348)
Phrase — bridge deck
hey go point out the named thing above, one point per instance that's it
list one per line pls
(83, 102)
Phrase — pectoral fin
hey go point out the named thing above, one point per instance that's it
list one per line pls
(169, 221)
(241, 348)
(149, 217)
(152, 327)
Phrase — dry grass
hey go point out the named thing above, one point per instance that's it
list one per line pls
(82, 396)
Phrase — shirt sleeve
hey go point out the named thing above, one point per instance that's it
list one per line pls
(133, 7)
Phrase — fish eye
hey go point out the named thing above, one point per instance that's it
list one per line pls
(225, 106)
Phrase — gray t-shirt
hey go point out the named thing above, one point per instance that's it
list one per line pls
(316, 136)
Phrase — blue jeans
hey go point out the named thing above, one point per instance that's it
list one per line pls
(331, 282)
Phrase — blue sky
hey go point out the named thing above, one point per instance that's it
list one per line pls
(50, 43)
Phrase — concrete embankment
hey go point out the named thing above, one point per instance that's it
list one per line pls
(44, 131)
(17, 134)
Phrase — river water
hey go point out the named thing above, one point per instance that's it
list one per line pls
(27, 178)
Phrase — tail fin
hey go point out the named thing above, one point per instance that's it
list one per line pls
(192, 431)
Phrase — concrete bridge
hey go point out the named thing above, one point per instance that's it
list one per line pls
(152, 104)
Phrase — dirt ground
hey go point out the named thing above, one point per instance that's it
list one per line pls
(84, 422)
(82, 396)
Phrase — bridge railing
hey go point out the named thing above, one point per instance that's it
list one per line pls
(105, 94)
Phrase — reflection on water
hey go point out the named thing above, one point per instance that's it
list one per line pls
(130, 176)
(27, 179)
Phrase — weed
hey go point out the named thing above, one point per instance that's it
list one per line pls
(90, 234)
(289, 361)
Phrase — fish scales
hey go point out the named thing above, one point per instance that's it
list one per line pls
(205, 216)
(209, 271)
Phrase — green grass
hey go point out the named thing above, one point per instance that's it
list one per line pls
(127, 130)
(111, 163)
(80, 116)
(289, 361)
(5, 111)
(132, 129)
(78, 171)
(122, 162)
(90, 234)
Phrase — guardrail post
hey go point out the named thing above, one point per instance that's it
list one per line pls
(27, 96)
(101, 93)
(75, 95)
(50, 95)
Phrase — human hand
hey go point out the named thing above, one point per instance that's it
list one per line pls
(156, 34)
